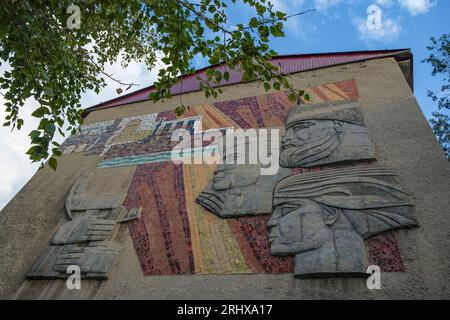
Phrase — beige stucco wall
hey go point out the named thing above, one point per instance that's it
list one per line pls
(403, 141)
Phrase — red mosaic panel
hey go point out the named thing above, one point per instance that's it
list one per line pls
(269, 110)
(251, 233)
(383, 251)
(161, 236)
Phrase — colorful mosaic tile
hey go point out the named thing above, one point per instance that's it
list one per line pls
(271, 110)
(383, 252)
(174, 235)
(92, 137)
(161, 235)
(138, 135)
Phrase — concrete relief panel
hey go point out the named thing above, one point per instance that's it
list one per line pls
(182, 229)
(175, 211)
(325, 133)
(239, 189)
(87, 239)
(322, 218)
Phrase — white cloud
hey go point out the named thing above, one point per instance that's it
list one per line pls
(136, 73)
(322, 5)
(15, 167)
(296, 26)
(385, 29)
(385, 3)
(416, 7)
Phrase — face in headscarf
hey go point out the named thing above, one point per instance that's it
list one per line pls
(238, 190)
(225, 176)
(322, 218)
(308, 141)
(305, 132)
(297, 228)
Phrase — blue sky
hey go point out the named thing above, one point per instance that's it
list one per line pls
(337, 25)
(340, 25)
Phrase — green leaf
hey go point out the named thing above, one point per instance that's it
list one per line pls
(19, 123)
(40, 112)
(53, 66)
(49, 91)
(34, 134)
(34, 150)
(50, 128)
(52, 163)
(292, 97)
(253, 22)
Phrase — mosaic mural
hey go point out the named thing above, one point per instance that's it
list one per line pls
(176, 235)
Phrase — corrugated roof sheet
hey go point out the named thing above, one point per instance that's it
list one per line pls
(288, 64)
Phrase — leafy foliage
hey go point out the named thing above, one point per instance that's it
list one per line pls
(441, 128)
(440, 61)
(55, 64)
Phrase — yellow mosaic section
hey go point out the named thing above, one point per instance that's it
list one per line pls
(214, 247)
(130, 133)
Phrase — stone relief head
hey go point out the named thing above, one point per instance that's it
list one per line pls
(239, 189)
(323, 218)
(310, 141)
(228, 176)
(322, 133)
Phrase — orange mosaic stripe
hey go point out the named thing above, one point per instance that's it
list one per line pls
(214, 247)
(343, 90)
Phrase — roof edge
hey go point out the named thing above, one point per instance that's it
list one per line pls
(399, 54)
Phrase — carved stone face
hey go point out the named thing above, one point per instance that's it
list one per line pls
(228, 176)
(324, 134)
(294, 230)
(308, 142)
(306, 132)
(239, 190)
(322, 218)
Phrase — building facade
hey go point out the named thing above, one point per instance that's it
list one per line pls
(362, 182)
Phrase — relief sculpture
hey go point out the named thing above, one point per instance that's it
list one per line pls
(239, 189)
(320, 223)
(322, 218)
(325, 133)
(85, 240)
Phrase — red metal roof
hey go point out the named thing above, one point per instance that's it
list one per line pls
(288, 64)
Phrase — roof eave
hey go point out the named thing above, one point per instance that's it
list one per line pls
(398, 54)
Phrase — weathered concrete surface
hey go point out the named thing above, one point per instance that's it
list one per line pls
(30, 220)
(326, 232)
(325, 133)
(239, 189)
(403, 142)
(95, 260)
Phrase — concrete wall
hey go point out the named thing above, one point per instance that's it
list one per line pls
(403, 140)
